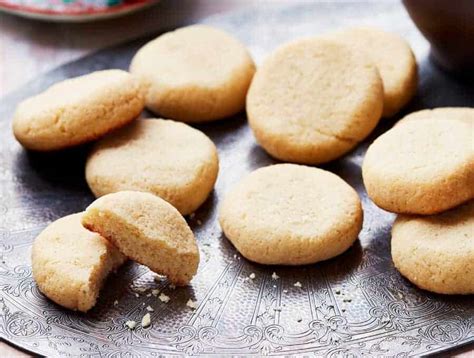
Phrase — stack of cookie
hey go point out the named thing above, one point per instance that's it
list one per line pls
(423, 169)
(311, 101)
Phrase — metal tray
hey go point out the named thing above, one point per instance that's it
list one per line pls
(356, 304)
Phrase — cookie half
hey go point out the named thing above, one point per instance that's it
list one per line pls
(166, 158)
(436, 253)
(289, 214)
(78, 110)
(313, 100)
(421, 168)
(394, 59)
(148, 230)
(194, 74)
(70, 263)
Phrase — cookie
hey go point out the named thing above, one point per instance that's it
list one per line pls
(436, 253)
(289, 214)
(465, 114)
(78, 110)
(166, 158)
(194, 74)
(70, 263)
(394, 59)
(421, 168)
(148, 230)
(313, 100)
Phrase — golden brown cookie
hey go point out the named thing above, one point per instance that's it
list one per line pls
(194, 74)
(394, 59)
(421, 167)
(289, 214)
(313, 100)
(78, 110)
(436, 253)
(166, 158)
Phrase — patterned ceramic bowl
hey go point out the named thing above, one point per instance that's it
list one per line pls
(73, 10)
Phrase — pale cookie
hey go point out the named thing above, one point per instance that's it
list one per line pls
(436, 253)
(465, 114)
(394, 59)
(148, 230)
(195, 74)
(70, 263)
(78, 110)
(313, 100)
(421, 168)
(289, 214)
(166, 158)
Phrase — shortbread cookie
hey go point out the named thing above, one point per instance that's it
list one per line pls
(313, 100)
(78, 110)
(71, 263)
(436, 253)
(166, 158)
(195, 74)
(289, 214)
(465, 114)
(421, 168)
(148, 230)
(394, 59)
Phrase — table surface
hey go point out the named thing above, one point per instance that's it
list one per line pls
(29, 48)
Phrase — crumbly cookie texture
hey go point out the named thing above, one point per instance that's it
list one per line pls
(465, 114)
(436, 253)
(313, 100)
(70, 263)
(148, 230)
(195, 74)
(163, 157)
(291, 215)
(394, 59)
(421, 168)
(78, 110)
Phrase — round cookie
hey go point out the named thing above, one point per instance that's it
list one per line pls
(465, 114)
(421, 168)
(70, 263)
(289, 214)
(195, 74)
(148, 230)
(313, 100)
(436, 253)
(166, 158)
(78, 110)
(394, 59)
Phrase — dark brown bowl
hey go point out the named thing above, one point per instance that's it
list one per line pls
(449, 27)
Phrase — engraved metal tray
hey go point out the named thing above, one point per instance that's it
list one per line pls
(355, 304)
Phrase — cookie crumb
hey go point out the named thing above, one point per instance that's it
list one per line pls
(338, 292)
(285, 291)
(115, 303)
(172, 286)
(131, 324)
(148, 294)
(275, 276)
(146, 320)
(164, 298)
(252, 276)
(191, 304)
(299, 320)
(149, 309)
(155, 292)
(199, 222)
(137, 295)
(298, 284)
